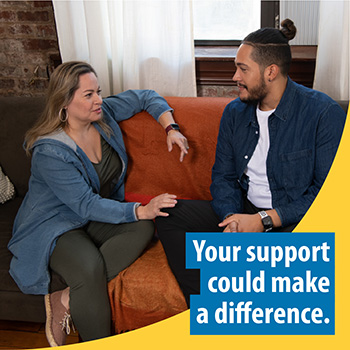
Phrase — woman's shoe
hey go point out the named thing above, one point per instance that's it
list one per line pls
(58, 319)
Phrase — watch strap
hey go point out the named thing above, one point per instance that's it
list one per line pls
(172, 126)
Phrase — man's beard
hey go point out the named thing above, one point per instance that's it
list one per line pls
(255, 94)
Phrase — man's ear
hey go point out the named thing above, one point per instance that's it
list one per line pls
(271, 72)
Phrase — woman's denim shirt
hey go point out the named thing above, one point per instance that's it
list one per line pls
(305, 131)
(63, 191)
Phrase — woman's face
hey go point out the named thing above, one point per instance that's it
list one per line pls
(85, 106)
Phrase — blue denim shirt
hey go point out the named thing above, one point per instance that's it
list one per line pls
(64, 191)
(305, 132)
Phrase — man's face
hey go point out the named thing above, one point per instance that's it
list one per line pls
(250, 81)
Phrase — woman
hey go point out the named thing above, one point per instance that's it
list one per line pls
(73, 219)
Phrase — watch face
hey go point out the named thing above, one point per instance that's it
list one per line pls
(175, 126)
(267, 222)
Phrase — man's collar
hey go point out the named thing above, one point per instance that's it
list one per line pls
(285, 105)
(283, 108)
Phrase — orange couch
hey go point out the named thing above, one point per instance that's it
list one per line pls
(147, 292)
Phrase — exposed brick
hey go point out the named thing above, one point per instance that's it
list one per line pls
(38, 16)
(36, 84)
(45, 31)
(39, 44)
(22, 58)
(3, 58)
(7, 16)
(20, 29)
(10, 71)
(10, 45)
(42, 3)
(7, 83)
(14, 4)
(28, 39)
(217, 91)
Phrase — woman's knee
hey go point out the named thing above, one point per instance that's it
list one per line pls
(147, 229)
(140, 232)
(77, 260)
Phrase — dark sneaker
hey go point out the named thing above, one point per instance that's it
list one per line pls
(58, 320)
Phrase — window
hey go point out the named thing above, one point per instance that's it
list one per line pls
(227, 22)
(224, 19)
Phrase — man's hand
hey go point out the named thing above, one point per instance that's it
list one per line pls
(242, 223)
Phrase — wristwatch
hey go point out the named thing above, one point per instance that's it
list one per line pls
(266, 221)
(173, 126)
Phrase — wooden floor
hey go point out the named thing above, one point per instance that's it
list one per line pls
(24, 335)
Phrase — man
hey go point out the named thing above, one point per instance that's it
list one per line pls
(276, 144)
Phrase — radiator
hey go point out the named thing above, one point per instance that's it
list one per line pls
(305, 15)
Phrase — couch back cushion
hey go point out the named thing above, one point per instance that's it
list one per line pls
(17, 115)
(153, 170)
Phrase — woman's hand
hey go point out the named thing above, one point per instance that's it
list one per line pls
(153, 208)
(175, 137)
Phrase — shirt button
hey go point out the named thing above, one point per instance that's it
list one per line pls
(245, 157)
(257, 132)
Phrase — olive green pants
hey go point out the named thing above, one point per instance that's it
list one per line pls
(87, 259)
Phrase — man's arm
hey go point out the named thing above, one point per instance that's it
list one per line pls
(329, 131)
(225, 188)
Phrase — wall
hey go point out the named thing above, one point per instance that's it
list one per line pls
(28, 47)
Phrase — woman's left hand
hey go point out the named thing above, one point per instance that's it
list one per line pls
(175, 137)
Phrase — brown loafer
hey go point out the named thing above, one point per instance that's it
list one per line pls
(58, 320)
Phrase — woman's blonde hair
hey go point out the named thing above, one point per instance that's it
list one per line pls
(64, 81)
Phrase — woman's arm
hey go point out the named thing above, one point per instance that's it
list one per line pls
(128, 103)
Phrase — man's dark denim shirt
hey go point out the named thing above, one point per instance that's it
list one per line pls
(305, 131)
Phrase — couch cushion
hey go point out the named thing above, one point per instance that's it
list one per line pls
(17, 115)
(14, 305)
(7, 215)
(145, 292)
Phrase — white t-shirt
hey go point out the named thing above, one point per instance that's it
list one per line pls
(259, 189)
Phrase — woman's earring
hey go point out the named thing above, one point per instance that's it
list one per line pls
(65, 117)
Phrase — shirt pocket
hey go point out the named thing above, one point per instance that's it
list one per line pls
(297, 169)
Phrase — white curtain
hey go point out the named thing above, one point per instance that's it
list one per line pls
(132, 44)
(332, 64)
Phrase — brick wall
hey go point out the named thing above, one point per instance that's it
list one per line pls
(217, 91)
(28, 47)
